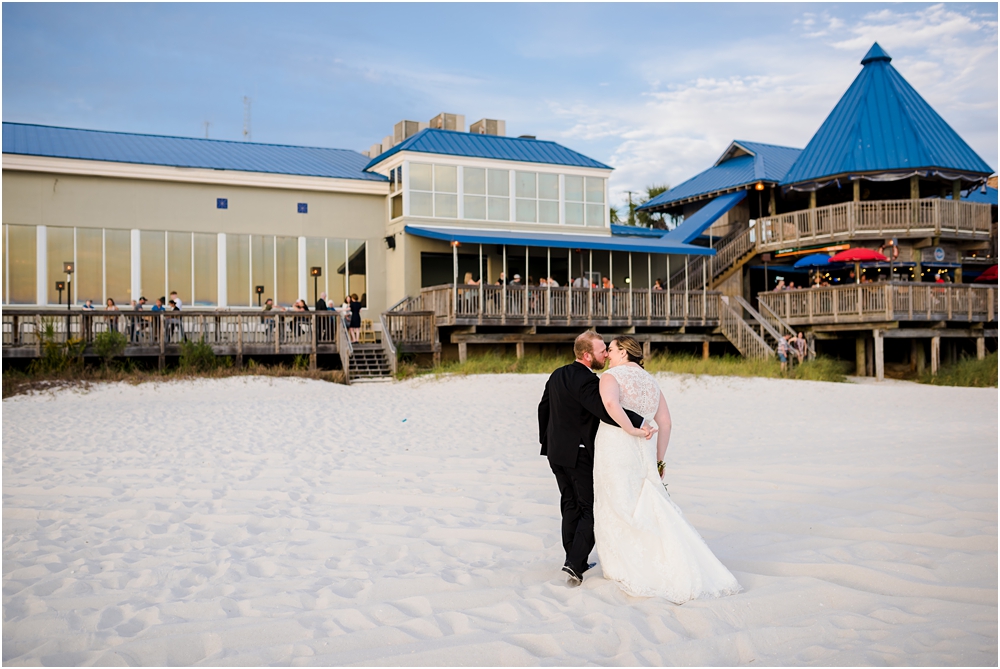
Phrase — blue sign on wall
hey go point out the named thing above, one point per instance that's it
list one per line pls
(939, 254)
(221, 203)
(303, 207)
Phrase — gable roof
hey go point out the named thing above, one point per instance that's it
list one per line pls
(452, 143)
(213, 154)
(741, 164)
(882, 125)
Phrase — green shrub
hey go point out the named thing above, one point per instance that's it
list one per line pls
(109, 345)
(967, 372)
(57, 356)
(300, 362)
(197, 356)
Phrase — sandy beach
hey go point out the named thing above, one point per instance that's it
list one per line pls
(279, 521)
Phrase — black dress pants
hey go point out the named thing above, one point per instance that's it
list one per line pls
(576, 490)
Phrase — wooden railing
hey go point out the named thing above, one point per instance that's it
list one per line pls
(874, 219)
(729, 251)
(534, 305)
(410, 327)
(161, 333)
(877, 302)
(743, 337)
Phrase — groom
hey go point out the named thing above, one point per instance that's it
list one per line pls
(568, 417)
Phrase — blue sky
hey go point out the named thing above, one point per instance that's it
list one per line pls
(657, 91)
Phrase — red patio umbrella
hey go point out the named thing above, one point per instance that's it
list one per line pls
(857, 256)
(989, 274)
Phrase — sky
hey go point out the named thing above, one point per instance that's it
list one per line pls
(658, 91)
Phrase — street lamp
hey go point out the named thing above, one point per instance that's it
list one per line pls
(60, 286)
(260, 291)
(315, 273)
(68, 269)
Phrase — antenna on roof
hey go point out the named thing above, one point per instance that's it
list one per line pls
(206, 124)
(246, 118)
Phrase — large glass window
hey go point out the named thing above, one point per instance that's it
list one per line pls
(60, 250)
(238, 290)
(118, 266)
(88, 282)
(20, 258)
(433, 190)
(262, 265)
(152, 255)
(584, 201)
(536, 197)
(179, 266)
(337, 255)
(498, 190)
(315, 257)
(357, 280)
(206, 268)
(474, 193)
(287, 258)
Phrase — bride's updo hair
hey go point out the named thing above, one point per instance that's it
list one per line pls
(631, 348)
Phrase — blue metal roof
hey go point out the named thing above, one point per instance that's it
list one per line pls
(742, 164)
(557, 240)
(697, 223)
(214, 154)
(636, 231)
(976, 195)
(452, 143)
(881, 124)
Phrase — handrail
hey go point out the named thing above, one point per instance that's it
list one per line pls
(760, 319)
(743, 337)
(810, 342)
(387, 344)
(764, 306)
(345, 349)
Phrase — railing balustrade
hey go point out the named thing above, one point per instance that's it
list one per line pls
(883, 301)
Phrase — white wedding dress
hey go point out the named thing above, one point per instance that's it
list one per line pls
(644, 542)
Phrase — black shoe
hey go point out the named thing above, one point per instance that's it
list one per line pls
(573, 579)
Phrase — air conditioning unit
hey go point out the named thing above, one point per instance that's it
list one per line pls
(448, 122)
(406, 129)
(387, 143)
(489, 126)
(374, 150)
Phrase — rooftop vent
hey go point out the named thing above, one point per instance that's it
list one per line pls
(489, 126)
(448, 122)
(406, 129)
(526, 137)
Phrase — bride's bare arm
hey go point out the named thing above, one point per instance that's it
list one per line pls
(662, 419)
(609, 395)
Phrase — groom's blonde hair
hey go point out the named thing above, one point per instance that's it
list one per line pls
(585, 343)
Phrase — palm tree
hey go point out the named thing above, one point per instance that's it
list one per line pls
(646, 219)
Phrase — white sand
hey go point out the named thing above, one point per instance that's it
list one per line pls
(275, 521)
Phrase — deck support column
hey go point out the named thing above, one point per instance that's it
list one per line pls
(312, 353)
(239, 341)
(519, 347)
(935, 355)
(869, 357)
(917, 362)
(647, 349)
(704, 350)
(463, 351)
(859, 356)
(162, 360)
(980, 348)
(879, 360)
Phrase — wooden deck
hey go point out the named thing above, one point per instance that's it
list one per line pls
(873, 303)
(161, 334)
(875, 219)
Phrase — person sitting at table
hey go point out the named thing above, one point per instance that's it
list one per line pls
(780, 285)
(658, 285)
(606, 283)
(469, 281)
(552, 282)
(88, 305)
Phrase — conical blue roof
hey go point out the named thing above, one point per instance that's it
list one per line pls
(882, 125)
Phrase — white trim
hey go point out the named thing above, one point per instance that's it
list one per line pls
(42, 265)
(274, 269)
(303, 271)
(166, 267)
(190, 175)
(562, 200)
(445, 159)
(136, 252)
(406, 188)
(511, 213)
(194, 289)
(460, 191)
(76, 267)
(104, 266)
(222, 299)
(6, 264)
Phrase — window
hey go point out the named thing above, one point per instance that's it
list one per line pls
(60, 250)
(88, 282)
(206, 268)
(433, 190)
(262, 264)
(19, 262)
(152, 256)
(536, 197)
(357, 279)
(584, 201)
(286, 252)
(179, 266)
(238, 288)
(118, 265)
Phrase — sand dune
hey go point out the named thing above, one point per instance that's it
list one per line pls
(280, 521)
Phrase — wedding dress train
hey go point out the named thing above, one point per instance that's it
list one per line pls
(644, 542)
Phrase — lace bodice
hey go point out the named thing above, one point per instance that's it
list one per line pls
(637, 389)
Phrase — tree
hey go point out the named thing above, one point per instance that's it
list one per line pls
(652, 220)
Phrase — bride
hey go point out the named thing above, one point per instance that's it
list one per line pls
(645, 544)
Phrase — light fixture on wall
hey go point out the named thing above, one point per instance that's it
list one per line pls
(390, 242)
(760, 185)
(260, 291)
(315, 273)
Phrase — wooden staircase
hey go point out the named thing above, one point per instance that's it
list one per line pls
(733, 251)
(369, 362)
(741, 334)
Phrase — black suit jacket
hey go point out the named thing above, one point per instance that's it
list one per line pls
(321, 305)
(570, 412)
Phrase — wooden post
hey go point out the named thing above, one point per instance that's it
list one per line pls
(38, 335)
(918, 352)
(879, 361)
(590, 289)
(686, 306)
(463, 351)
(631, 280)
(704, 293)
(935, 355)
(520, 349)
(454, 280)
(857, 190)
(239, 340)
(859, 356)
(649, 289)
(704, 350)
(278, 325)
(482, 284)
(548, 287)
(527, 284)
(503, 290)
(980, 348)
(869, 357)
(611, 291)
(647, 349)
(312, 353)
(162, 361)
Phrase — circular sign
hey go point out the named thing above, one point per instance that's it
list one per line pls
(939, 254)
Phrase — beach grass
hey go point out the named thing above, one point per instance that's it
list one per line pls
(821, 369)
(967, 372)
